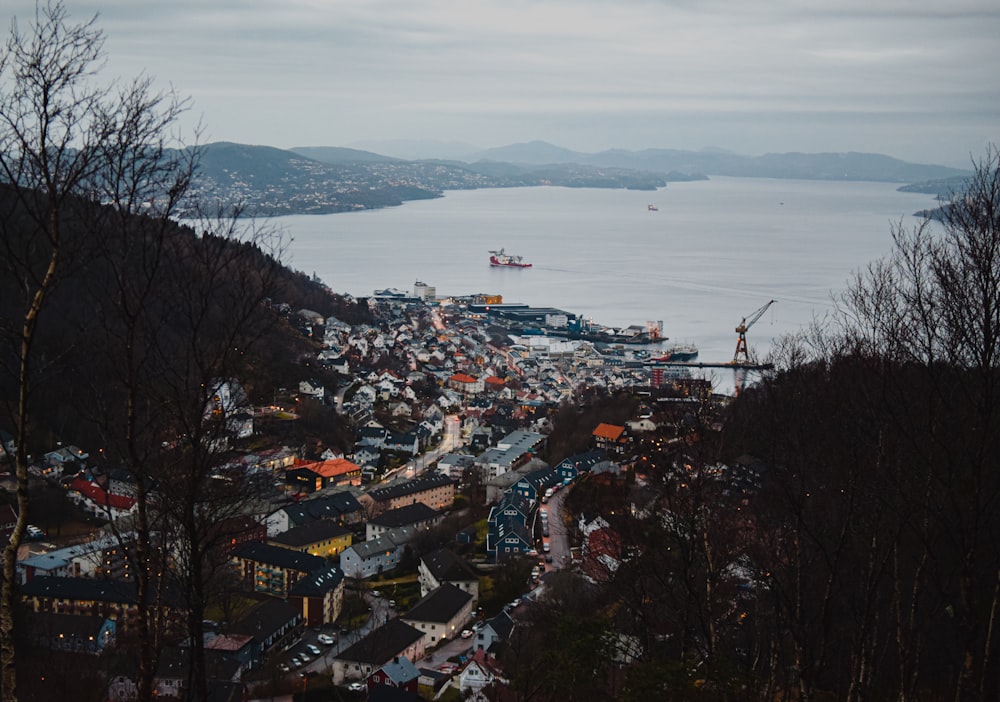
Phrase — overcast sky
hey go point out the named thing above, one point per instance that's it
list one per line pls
(915, 79)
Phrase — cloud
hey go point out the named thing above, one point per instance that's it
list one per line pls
(340, 71)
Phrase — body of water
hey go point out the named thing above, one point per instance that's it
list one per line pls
(713, 252)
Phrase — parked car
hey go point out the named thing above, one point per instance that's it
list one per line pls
(376, 593)
(467, 633)
(356, 687)
(326, 639)
(296, 662)
(313, 649)
(283, 667)
(304, 658)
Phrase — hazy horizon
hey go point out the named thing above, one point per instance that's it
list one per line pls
(914, 80)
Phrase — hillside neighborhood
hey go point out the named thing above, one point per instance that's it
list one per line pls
(385, 563)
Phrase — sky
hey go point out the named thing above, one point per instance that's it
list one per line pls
(914, 79)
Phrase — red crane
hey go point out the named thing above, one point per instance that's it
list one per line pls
(741, 357)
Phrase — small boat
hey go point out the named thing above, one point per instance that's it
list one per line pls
(653, 208)
(501, 259)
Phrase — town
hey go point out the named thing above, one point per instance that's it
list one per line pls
(405, 561)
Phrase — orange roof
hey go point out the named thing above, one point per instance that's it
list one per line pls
(609, 431)
(493, 380)
(462, 378)
(332, 468)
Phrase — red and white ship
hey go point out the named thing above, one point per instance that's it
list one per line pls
(499, 258)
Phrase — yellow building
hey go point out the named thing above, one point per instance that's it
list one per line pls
(319, 538)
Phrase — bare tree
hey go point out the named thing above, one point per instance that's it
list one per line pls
(47, 156)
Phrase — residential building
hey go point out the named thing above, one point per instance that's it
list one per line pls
(320, 537)
(320, 595)
(417, 515)
(341, 507)
(274, 570)
(481, 672)
(75, 633)
(273, 623)
(435, 490)
(380, 555)
(494, 631)
(443, 566)
(515, 449)
(441, 614)
(394, 639)
(610, 438)
(400, 673)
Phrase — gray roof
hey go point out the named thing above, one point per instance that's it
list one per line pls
(401, 670)
(440, 605)
(310, 533)
(265, 619)
(405, 516)
(280, 557)
(318, 583)
(410, 487)
(388, 541)
(383, 644)
(445, 566)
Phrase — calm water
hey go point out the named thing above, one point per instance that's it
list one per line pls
(713, 253)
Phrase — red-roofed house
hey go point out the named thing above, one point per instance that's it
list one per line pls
(482, 671)
(337, 471)
(494, 383)
(465, 384)
(93, 499)
(610, 437)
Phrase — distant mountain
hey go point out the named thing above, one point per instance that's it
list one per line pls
(320, 180)
(536, 152)
(421, 149)
(818, 166)
(337, 154)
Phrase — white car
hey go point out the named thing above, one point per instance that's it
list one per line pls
(356, 687)
(326, 639)
(467, 633)
(313, 649)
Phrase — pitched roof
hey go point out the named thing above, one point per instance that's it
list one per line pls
(400, 670)
(333, 506)
(333, 467)
(409, 487)
(280, 557)
(265, 619)
(318, 583)
(502, 624)
(612, 432)
(440, 605)
(310, 533)
(383, 644)
(404, 516)
(445, 566)
(95, 493)
(99, 590)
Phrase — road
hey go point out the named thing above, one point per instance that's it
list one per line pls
(558, 538)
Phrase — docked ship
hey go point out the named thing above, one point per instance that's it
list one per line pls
(678, 353)
(499, 258)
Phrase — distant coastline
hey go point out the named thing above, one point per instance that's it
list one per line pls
(270, 182)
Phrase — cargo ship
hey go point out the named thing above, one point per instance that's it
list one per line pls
(499, 258)
(678, 354)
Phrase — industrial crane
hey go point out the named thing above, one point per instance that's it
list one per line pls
(741, 356)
